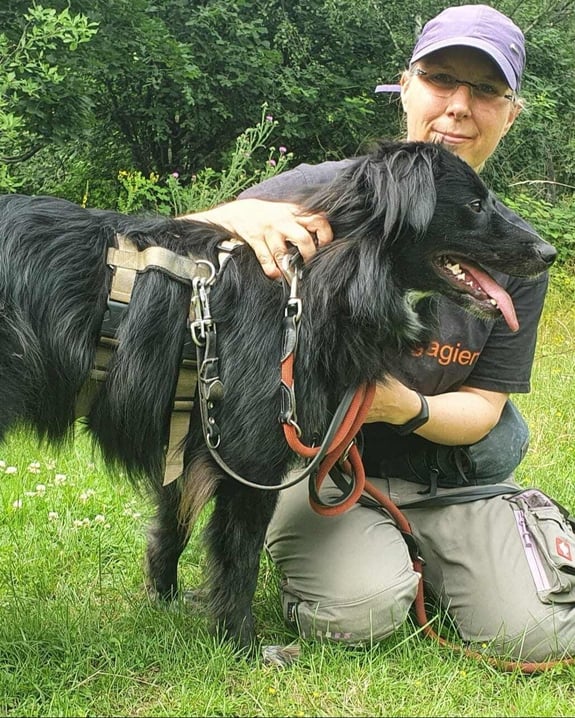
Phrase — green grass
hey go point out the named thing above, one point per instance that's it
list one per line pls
(79, 637)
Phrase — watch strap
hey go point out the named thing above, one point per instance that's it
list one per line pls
(417, 421)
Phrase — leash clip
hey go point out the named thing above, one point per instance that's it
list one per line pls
(200, 310)
(291, 270)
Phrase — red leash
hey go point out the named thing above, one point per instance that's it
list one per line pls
(341, 444)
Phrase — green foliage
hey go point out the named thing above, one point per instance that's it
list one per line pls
(30, 84)
(172, 196)
(555, 221)
(167, 86)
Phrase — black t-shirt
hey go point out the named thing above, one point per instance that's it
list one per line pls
(466, 350)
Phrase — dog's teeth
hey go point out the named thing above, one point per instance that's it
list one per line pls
(461, 276)
(453, 268)
(493, 301)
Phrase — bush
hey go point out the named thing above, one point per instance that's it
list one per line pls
(209, 187)
(555, 222)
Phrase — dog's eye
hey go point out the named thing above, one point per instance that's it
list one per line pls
(475, 205)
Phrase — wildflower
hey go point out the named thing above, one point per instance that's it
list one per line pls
(269, 118)
(77, 523)
(2, 464)
(272, 691)
(282, 150)
(17, 504)
(272, 163)
(175, 175)
(40, 488)
(10, 470)
(99, 519)
(52, 515)
(85, 495)
(60, 479)
(51, 465)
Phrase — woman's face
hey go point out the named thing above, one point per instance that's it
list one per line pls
(467, 123)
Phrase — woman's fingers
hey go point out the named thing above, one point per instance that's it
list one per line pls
(271, 228)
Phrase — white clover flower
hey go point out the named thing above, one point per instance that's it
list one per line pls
(99, 519)
(2, 464)
(60, 479)
(77, 523)
(41, 488)
(17, 504)
(11, 470)
(52, 515)
(85, 495)
(34, 467)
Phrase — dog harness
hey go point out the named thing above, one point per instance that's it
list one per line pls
(127, 261)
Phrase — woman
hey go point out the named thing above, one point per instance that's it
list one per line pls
(448, 458)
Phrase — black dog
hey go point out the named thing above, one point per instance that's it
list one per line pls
(401, 216)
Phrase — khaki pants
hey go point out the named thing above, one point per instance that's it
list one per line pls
(349, 578)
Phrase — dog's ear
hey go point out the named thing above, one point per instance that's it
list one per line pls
(401, 184)
(381, 194)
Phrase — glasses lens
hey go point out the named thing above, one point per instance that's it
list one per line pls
(444, 85)
(443, 81)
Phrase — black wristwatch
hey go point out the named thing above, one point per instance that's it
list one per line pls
(417, 421)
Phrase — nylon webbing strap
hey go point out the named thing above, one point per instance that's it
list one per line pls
(180, 421)
(128, 261)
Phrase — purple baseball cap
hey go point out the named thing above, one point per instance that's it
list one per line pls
(478, 26)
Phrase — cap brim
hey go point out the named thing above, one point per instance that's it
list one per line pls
(388, 88)
(486, 47)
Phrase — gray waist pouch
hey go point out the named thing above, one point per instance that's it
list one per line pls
(549, 542)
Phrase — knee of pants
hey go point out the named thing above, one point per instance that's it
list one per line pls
(498, 454)
(356, 622)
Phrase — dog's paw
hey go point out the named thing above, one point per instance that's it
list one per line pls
(280, 656)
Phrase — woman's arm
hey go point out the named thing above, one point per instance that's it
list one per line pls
(457, 417)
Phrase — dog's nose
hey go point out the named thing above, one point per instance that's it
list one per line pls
(548, 253)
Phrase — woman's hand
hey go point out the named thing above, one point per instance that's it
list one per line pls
(269, 227)
(394, 403)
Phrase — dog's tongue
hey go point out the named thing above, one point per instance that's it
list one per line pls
(495, 291)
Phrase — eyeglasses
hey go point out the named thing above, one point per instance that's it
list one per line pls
(444, 85)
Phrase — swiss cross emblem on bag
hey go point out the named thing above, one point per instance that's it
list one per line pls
(563, 548)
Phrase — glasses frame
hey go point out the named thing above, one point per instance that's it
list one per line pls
(418, 72)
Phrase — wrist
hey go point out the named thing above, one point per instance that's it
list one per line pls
(421, 418)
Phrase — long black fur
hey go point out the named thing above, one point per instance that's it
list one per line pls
(393, 213)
